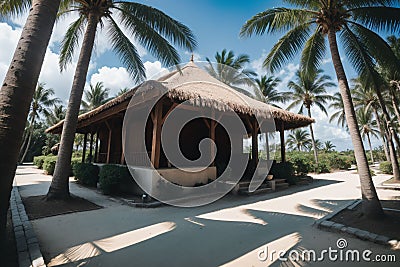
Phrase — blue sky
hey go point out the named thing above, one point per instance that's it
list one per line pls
(216, 25)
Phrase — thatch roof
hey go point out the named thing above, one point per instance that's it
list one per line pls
(201, 89)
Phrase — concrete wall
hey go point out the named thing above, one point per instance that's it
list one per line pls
(189, 178)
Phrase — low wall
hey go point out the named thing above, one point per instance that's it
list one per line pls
(190, 177)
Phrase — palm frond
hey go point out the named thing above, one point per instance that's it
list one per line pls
(71, 41)
(287, 47)
(126, 51)
(313, 53)
(275, 20)
(172, 29)
(380, 18)
(10, 8)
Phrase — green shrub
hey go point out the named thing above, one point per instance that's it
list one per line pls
(73, 162)
(38, 161)
(336, 161)
(110, 176)
(322, 167)
(282, 170)
(49, 164)
(303, 163)
(386, 167)
(86, 173)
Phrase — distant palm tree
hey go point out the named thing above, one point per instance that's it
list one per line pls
(318, 144)
(367, 126)
(42, 100)
(56, 115)
(96, 96)
(339, 115)
(308, 91)
(123, 91)
(307, 26)
(328, 146)
(150, 27)
(365, 97)
(266, 91)
(231, 70)
(299, 139)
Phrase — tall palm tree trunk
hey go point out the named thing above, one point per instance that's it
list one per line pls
(370, 203)
(59, 188)
(382, 131)
(395, 104)
(313, 138)
(370, 148)
(17, 91)
(389, 136)
(32, 128)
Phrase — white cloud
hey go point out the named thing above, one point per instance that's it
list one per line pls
(112, 78)
(154, 69)
(257, 64)
(118, 78)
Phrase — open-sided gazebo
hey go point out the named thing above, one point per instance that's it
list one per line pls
(102, 127)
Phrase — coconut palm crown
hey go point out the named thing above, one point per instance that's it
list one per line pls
(150, 27)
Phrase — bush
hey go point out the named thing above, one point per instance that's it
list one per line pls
(282, 170)
(386, 167)
(303, 163)
(38, 161)
(86, 173)
(322, 167)
(110, 176)
(49, 165)
(337, 161)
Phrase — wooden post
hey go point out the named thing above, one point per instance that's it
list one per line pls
(84, 148)
(267, 146)
(122, 161)
(96, 148)
(91, 147)
(283, 150)
(156, 139)
(109, 142)
(254, 142)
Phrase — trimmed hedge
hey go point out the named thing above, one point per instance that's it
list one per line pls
(49, 164)
(282, 170)
(110, 177)
(38, 161)
(86, 173)
(386, 167)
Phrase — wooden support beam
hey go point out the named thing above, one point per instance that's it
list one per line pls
(91, 148)
(109, 142)
(254, 142)
(84, 148)
(283, 150)
(156, 139)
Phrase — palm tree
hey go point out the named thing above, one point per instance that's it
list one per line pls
(18, 87)
(266, 91)
(41, 102)
(307, 26)
(364, 96)
(339, 115)
(299, 139)
(230, 69)
(367, 127)
(308, 91)
(96, 96)
(56, 115)
(123, 91)
(328, 146)
(152, 28)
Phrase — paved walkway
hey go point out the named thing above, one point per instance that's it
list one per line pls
(229, 232)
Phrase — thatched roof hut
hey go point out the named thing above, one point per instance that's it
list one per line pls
(191, 84)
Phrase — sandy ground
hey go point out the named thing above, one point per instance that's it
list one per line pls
(234, 231)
